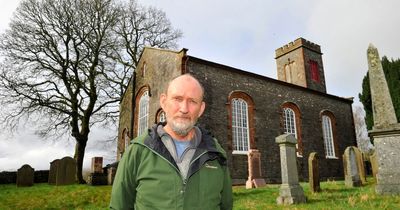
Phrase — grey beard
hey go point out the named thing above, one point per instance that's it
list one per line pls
(182, 129)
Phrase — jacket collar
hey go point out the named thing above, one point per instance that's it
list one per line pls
(207, 144)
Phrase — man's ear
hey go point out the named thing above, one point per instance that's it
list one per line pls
(202, 108)
(163, 98)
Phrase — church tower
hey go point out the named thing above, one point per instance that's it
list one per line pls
(300, 63)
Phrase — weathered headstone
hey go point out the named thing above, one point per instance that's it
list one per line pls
(53, 171)
(97, 165)
(374, 164)
(255, 179)
(66, 171)
(313, 172)
(290, 191)
(111, 171)
(25, 176)
(360, 165)
(97, 177)
(351, 168)
(386, 129)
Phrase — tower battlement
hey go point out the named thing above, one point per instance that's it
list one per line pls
(300, 42)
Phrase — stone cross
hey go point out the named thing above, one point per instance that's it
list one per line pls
(25, 176)
(290, 191)
(255, 179)
(313, 172)
(386, 130)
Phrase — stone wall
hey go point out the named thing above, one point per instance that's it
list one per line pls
(268, 96)
(10, 177)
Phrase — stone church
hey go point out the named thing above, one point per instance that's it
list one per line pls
(247, 111)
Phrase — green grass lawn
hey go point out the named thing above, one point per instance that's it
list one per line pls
(334, 195)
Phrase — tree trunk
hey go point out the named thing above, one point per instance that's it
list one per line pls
(79, 155)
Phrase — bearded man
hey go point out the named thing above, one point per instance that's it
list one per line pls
(174, 165)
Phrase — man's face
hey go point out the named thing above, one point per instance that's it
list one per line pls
(183, 104)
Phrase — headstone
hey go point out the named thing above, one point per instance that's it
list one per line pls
(97, 165)
(374, 164)
(386, 129)
(313, 172)
(97, 177)
(25, 176)
(290, 191)
(111, 171)
(66, 171)
(53, 171)
(360, 165)
(351, 168)
(255, 179)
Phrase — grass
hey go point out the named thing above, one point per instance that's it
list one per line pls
(334, 195)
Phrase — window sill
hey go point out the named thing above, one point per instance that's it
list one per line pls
(240, 152)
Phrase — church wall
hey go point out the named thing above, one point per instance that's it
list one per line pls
(268, 95)
(154, 70)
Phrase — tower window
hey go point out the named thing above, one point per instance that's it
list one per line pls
(314, 70)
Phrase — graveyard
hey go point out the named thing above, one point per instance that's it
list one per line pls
(333, 195)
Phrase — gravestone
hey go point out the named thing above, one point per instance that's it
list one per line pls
(255, 179)
(351, 168)
(97, 165)
(53, 171)
(374, 164)
(290, 191)
(111, 171)
(360, 165)
(313, 172)
(25, 176)
(97, 177)
(386, 129)
(66, 171)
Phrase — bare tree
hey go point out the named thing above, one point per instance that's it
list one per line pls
(363, 141)
(66, 63)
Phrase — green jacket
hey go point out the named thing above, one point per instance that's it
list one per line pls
(148, 177)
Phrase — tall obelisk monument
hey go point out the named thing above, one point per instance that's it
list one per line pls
(386, 129)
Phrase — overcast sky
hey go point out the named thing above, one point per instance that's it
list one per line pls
(245, 36)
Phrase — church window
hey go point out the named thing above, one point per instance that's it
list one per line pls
(144, 68)
(291, 124)
(314, 70)
(241, 122)
(328, 128)
(240, 125)
(143, 115)
(160, 116)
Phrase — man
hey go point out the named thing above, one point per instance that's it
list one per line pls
(176, 165)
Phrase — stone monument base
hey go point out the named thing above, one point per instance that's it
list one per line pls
(97, 179)
(256, 183)
(388, 178)
(291, 194)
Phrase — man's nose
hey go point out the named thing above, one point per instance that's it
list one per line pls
(184, 107)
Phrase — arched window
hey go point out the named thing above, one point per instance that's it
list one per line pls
(328, 131)
(240, 125)
(143, 115)
(289, 121)
(291, 124)
(241, 122)
(160, 116)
